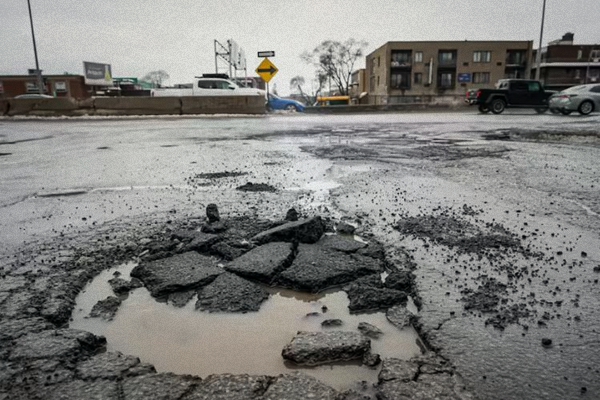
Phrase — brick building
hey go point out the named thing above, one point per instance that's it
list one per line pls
(54, 85)
(564, 64)
(400, 72)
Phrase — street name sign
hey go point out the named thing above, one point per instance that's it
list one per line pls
(266, 54)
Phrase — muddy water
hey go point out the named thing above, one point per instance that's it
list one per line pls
(186, 341)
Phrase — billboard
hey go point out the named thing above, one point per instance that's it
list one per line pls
(237, 56)
(97, 74)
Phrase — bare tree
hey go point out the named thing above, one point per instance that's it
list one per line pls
(296, 84)
(156, 77)
(316, 86)
(334, 62)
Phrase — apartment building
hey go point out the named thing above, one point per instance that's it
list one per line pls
(401, 72)
(564, 64)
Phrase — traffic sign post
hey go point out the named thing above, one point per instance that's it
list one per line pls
(267, 70)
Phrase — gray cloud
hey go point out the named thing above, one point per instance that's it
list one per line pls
(139, 36)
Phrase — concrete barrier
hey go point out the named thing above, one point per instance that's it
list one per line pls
(223, 105)
(137, 106)
(42, 107)
(109, 106)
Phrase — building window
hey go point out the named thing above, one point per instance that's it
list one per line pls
(447, 58)
(418, 78)
(60, 86)
(579, 54)
(482, 56)
(401, 58)
(31, 87)
(515, 57)
(378, 62)
(372, 66)
(400, 80)
(446, 80)
(419, 57)
(481, 77)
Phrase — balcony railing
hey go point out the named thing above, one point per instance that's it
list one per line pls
(515, 62)
(404, 63)
(583, 60)
(445, 63)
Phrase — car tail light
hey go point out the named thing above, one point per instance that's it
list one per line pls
(478, 93)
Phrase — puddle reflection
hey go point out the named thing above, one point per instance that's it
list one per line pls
(186, 341)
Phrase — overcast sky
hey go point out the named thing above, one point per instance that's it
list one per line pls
(138, 36)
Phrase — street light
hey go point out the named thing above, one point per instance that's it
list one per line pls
(538, 57)
(37, 64)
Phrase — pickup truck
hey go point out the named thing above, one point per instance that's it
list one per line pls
(511, 93)
(208, 85)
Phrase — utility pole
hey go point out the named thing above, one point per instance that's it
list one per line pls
(538, 57)
(40, 81)
(593, 56)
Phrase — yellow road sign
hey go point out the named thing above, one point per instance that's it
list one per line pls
(266, 70)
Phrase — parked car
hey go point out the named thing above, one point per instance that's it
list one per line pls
(583, 98)
(511, 93)
(33, 96)
(277, 103)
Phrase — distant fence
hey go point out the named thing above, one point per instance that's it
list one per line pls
(397, 103)
(452, 99)
(108, 106)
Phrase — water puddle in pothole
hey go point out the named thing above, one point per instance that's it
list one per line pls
(186, 341)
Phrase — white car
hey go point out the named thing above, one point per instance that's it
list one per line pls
(582, 98)
(33, 96)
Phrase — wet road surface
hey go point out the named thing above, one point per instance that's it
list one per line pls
(490, 310)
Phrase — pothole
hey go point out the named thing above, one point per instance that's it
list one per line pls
(188, 341)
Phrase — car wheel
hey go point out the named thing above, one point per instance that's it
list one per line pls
(291, 107)
(483, 109)
(541, 110)
(554, 110)
(498, 106)
(585, 108)
(565, 112)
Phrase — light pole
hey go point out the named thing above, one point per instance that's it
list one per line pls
(538, 57)
(40, 82)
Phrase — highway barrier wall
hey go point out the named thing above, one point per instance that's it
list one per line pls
(359, 108)
(223, 105)
(137, 106)
(109, 106)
